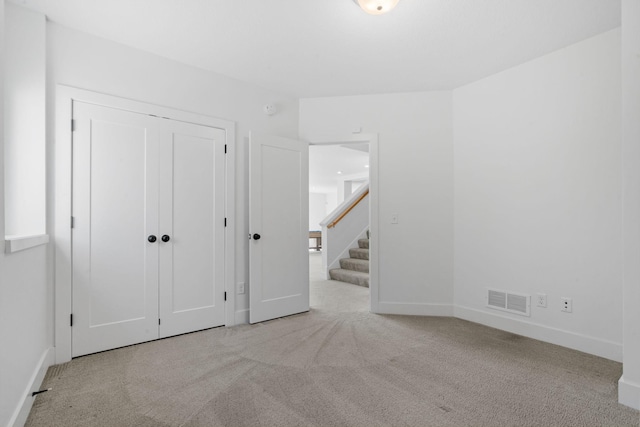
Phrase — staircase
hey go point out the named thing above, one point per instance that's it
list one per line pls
(356, 268)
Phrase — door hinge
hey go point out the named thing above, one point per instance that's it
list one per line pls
(158, 322)
(225, 148)
(225, 222)
(73, 222)
(73, 125)
(225, 296)
(71, 319)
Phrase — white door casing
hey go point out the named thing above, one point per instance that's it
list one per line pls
(374, 213)
(278, 214)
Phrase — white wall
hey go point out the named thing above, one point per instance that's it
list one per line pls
(26, 301)
(24, 100)
(538, 196)
(80, 60)
(629, 391)
(26, 307)
(317, 210)
(349, 184)
(6, 393)
(416, 181)
(332, 201)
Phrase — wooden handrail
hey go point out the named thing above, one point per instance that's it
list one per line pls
(346, 211)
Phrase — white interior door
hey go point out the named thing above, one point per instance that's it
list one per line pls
(115, 206)
(192, 188)
(278, 223)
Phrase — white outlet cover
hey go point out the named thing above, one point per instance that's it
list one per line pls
(270, 109)
(541, 300)
(566, 305)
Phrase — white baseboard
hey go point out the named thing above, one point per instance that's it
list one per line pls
(413, 309)
(242, 316)
(629, 393)
(596, 346)
(22, 411)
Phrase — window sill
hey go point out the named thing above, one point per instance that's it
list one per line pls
(18, 243)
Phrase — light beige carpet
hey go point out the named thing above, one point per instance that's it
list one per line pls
(337, 366)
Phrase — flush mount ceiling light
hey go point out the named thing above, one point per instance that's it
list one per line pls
(377, 7)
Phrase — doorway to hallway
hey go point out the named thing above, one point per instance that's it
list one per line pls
(339, 217)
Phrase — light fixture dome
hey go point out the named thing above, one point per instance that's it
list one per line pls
(377, 7)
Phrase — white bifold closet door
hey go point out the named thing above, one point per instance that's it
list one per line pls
(148, 235)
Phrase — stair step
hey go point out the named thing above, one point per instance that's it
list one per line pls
(363, 243)
(355, 264)
(355, 277)
(359, 253)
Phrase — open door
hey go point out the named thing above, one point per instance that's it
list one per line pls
(278, 226)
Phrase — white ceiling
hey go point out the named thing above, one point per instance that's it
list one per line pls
(325, 161)
(331, 47)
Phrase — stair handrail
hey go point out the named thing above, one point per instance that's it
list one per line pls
(345, 207)
(346, 211)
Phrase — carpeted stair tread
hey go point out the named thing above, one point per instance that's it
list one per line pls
(355, 277)
(363, 243)
(355, 264)
(359, 253)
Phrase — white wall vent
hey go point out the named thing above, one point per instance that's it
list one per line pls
(509, 302)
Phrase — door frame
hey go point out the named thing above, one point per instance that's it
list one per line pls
(65, 97)
(372, 140)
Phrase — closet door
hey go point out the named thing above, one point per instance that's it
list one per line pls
(192, 194)
(115, 211)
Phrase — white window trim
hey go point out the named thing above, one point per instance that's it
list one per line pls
(19, 243)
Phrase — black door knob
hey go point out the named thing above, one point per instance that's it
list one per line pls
(166, 238)
(256, 236)
(152, 238)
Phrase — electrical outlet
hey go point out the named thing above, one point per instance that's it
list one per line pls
(566, 305)
(542, 300)
(240, 288)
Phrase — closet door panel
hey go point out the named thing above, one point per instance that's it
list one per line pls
(192, 215)
(115, 198)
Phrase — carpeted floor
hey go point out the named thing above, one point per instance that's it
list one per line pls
(337, 365)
